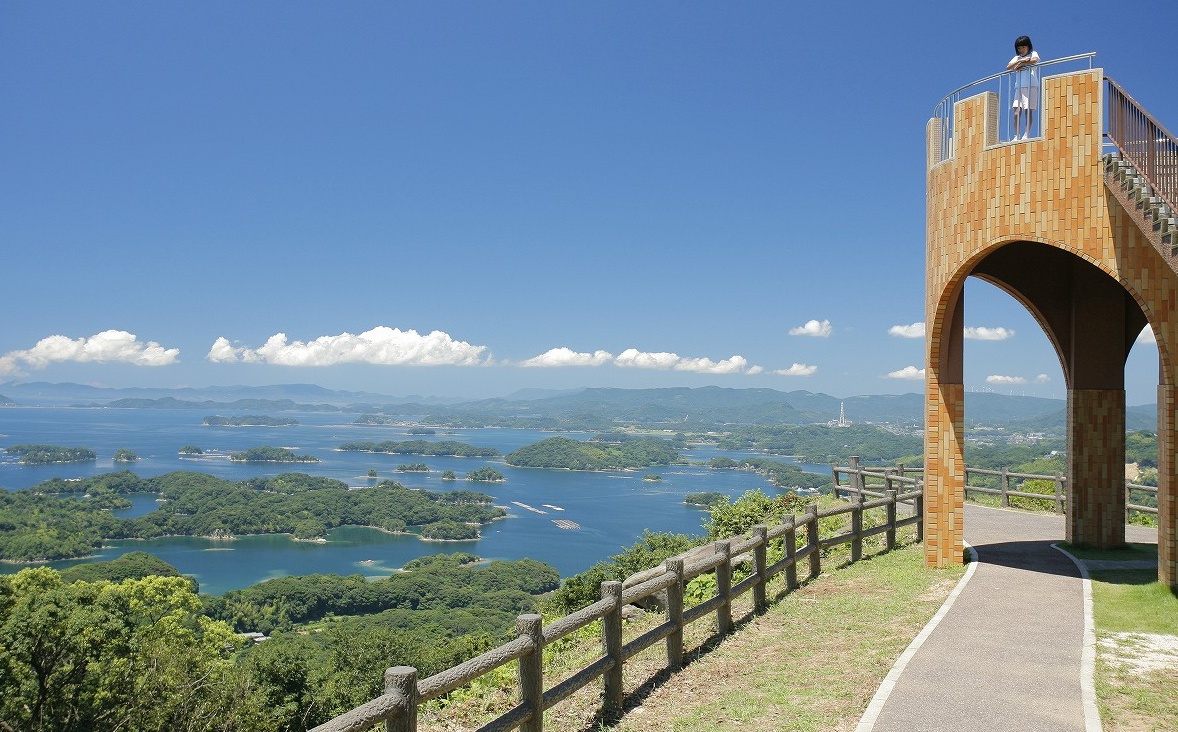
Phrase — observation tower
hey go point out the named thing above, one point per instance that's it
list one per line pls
(1076, 222)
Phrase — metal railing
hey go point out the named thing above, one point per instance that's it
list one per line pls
(1143, 141)
(1005, 85)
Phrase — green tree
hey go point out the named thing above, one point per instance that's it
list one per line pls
(133, 655)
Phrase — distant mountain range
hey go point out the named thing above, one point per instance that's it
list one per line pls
(681, 408)
(42, 393)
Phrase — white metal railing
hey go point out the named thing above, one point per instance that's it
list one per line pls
(1006, 85)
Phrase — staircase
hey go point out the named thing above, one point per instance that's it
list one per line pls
(1142, 170)
(1152, 213)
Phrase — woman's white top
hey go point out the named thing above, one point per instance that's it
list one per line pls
(1028, 76)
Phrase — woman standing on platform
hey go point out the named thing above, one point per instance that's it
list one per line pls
(1026, 86)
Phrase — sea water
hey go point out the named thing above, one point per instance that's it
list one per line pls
(610, 509)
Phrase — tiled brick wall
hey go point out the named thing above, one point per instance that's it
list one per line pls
(1050, 191)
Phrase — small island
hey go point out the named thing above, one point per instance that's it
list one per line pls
(249, 420)
(486, 475)
(597, 454)
(50, 454)
(413, 468)
(449, 475)
(704, 500)
(652, 478)
(446, 448)
(422, 431)
(271, 455)
(191, 450)
(125, 456)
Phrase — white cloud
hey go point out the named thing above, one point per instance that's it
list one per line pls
(989, 334)
(568, 357)
(109, 346)
(1146, 336)
(1042, 379)
(732, 365)
(908, 372)
(635, 359)
(381, 345)
(915, 330)
(223, 352)
(998, 379)
(813, 328)
(797, 369)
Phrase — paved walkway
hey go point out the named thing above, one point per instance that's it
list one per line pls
(1007, 653)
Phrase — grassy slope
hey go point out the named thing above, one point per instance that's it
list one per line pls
(858, 618)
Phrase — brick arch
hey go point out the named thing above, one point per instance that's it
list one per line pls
(1035, 219)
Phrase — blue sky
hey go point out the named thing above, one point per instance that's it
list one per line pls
(469, 198)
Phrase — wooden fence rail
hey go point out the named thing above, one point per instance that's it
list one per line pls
(876, 481)
(404, 693)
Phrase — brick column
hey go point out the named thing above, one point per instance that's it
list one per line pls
(944, 474)
(1096, 467)
(1167, 486)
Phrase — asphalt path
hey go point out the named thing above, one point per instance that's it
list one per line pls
(1008, 652)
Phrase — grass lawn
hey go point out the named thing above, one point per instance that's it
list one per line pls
(1136, 620)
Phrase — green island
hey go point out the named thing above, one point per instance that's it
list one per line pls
(786, 476)
(486, 475)
(49, 454)
(249, 420)
(267, 454)
(446, 448)
(818, 443)
(422, 431)
(413, 468)
(449, 475)
(595, 454)
(191, 450)
(706, 499)
(62, 519)
(125, 456)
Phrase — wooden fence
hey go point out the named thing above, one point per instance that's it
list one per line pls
(404, 692)
(876, 481)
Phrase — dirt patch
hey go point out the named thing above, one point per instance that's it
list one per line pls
(1141, 652)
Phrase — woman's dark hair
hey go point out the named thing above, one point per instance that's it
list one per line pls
(1023, 41)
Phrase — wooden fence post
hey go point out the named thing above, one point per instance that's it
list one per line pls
(834, 474)
(856, 476)
(1059, 493)
(402, 679)
(531, 671)
(675, 615)
(812, 538)
(760, 560)
(890, 536)
(1004, 484)
(724, 587)
(857, 531)
(920, 514)
(791, 551)
(611, 639)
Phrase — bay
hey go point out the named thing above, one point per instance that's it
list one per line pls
(610, 509)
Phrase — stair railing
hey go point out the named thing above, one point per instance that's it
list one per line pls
(1143, 141)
